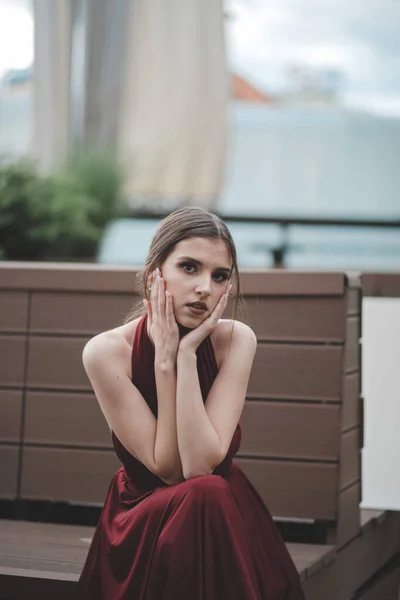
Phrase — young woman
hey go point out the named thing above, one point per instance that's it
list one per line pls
(181, 521)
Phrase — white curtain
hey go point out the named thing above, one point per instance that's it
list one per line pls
(173, 121)
(51, 82)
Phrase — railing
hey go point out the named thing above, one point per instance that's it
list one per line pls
(279, 251)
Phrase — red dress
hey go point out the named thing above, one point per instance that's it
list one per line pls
(208, 538)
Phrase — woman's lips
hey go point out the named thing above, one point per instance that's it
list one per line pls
(196, 310)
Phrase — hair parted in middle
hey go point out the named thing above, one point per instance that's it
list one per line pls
(184, 223)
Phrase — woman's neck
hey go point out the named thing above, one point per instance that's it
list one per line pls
(182, 330)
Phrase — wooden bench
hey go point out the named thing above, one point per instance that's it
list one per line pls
(302, 423)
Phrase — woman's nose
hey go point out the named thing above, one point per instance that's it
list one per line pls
(204, 286)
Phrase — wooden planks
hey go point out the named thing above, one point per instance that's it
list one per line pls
(303, 318)
(290, 430)
(13, 311)
(9, 456)
(71, 475)
(10, 415)
(12, 363)
(288, 371)
(311, 558)
(63, 276)
(350, 458)
(386, 587)
(298, 490)
(381, 284)
(46, 276)
(50, 558)
(375, 545)
(56, 362)
(41, 560)
(352, 354)
(350, 406)
(348, 522)
(61, 418)
(56, 553)
(303, 392)
(302, 422)
(77, 313)
(301, 283)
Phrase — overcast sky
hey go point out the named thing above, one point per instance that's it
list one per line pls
(359, 37)
(16, 34)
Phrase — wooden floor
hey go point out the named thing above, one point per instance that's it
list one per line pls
(40, 555)
(58, 551)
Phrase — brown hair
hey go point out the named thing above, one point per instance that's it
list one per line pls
(180, 225)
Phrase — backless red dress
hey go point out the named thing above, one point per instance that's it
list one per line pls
(208, 538)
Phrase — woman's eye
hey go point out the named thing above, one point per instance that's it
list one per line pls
(188, 267)
(220, 277)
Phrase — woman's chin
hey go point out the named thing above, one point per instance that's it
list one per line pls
(189, 321)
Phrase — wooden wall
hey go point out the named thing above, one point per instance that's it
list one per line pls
(302, 420)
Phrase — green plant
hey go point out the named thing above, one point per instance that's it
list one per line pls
(61, 216)
(99, 175)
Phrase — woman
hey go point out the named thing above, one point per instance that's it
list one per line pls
(181, 521)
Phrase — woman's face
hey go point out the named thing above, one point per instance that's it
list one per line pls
(196, 272)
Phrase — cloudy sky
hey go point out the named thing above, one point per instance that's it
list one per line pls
(16, 34)
(361, 38)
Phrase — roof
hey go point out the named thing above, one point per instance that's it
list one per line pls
(243, 90)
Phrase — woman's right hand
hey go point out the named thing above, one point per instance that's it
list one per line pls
(163, 327)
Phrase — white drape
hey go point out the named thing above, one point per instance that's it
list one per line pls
(173, 124)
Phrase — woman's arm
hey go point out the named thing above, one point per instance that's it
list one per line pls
(106, 359)
(164, 332)
(205, 430)
(107, 363)
(166, 451)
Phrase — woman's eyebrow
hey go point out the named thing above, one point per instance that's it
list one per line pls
(200, 264)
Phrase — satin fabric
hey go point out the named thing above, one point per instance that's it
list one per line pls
(207, 538)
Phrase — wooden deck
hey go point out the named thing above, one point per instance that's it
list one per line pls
(44, 555)
(46, 559)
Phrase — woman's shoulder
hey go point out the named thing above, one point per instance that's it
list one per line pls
(230, 328)
(230, 333)
(113, 344)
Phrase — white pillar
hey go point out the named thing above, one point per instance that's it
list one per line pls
(106, 34)
(381, 391)
(79, 53)
(51, 82)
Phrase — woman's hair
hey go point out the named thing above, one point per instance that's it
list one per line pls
(180, 225)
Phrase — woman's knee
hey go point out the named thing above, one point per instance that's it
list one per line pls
(207, 485)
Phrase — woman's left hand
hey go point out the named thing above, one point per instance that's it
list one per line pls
(191, 341)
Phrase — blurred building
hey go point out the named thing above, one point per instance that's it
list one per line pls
(243, 91)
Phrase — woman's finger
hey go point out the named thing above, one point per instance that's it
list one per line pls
(154, 297)
(147, 306)
(169, 309)
(161, 297)
(219, 309)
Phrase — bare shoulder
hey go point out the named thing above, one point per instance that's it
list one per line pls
(230, 335)
(110, 347)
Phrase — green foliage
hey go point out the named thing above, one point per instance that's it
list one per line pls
(57, 217)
